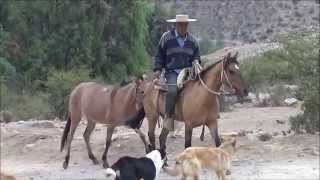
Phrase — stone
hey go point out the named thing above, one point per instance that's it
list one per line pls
(43, 124)
(264, 136)
(280, 121)
(290, 101)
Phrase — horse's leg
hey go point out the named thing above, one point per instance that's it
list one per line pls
(221, 175)
(86, 135)
(188, 136)
(163, 138)
(213, 127)
(152, 122)
(143, 137)
(75, 119)
(108, 143)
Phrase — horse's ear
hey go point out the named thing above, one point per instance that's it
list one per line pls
(139, 79)
(144, 76)
(228, 55)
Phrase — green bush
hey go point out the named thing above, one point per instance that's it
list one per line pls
(24, 106)
(6, 116)
(60, 85)
(296, 62)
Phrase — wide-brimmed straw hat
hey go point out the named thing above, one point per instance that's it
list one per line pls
(182, 18)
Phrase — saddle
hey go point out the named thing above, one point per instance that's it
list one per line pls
(185, 75)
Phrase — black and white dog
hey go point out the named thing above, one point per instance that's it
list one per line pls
(131, 168)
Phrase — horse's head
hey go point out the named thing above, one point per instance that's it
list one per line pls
(232, 76)
(138, 92)
(136, 84)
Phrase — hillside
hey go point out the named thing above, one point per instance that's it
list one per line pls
(247, 20)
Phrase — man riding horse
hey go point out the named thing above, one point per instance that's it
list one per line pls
(177, 50)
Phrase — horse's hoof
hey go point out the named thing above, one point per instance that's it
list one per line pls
(105, 165)
(95, 161)
(165, 163)
(151, 148)
(228, 172)
(65, 165)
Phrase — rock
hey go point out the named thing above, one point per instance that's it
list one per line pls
(275, 134)
(252, 96)
(114, 138)
(264, 136)
(43, 124)
(263, 96)
(280, 121)
(242, 133)
(118, 145)
(232, 134)
(30, 145)
(126, 137)
(300, 155)
(290, 101)
(284, 133)
(314, 152)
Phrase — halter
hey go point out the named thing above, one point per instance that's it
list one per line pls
(223, 73)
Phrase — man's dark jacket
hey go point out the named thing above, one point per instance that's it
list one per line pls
(171, 56)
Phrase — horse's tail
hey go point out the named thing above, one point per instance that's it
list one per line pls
(202, 133)
(65, 132)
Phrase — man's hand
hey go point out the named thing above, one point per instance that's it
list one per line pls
(157, 73)
(196, 61)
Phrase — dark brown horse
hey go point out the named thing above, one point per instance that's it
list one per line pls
(197, 103)
(106, 104)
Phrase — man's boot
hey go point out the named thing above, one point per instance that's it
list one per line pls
(168, 122)
(171, 95)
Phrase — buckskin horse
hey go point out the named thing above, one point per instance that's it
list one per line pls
(106, 104)
(197, 103)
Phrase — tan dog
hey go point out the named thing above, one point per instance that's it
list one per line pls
(194, 159)
(6, 177)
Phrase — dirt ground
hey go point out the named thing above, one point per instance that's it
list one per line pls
(30, 150)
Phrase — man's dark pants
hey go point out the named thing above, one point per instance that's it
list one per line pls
(171, 77)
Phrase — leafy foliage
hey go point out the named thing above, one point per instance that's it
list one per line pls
(47, 47)
(297, 62)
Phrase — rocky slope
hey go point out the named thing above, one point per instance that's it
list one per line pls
(247, 20)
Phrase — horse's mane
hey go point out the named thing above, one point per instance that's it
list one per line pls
(206, 68)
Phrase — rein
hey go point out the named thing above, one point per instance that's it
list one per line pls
(223, 73)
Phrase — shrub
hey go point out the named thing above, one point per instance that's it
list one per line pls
(60, 85)
(24, 106)
(296, 62)
(6, 116)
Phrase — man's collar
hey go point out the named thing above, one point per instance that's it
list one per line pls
(178, 35)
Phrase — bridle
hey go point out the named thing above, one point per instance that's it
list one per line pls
(223, 73)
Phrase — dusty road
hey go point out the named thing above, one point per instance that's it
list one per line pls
(30, 150)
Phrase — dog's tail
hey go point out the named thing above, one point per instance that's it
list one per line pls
(111, 174)
(172, 172)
